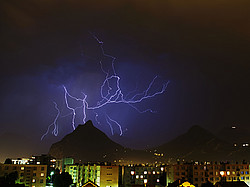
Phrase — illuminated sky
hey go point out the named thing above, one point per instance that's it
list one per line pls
(202, 47)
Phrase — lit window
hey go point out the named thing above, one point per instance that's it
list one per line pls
(145, 172)
(145, 181)
(42, 174)
(222, 173)
(153, 172)
(37, 162)
(228, 172)
(137, 176)
(132, 172)
(33, 180)
(22, 168)
(158, 180)
(141, 176)
(162, 168)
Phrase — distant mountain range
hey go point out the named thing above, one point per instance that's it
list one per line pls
(196, 144)
(88, 143)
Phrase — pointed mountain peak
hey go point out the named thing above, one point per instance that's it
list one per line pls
(84, 139)
(89, 123)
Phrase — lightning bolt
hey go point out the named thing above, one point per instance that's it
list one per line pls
(55, 130)
(110, 93)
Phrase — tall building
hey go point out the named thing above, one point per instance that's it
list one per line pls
(101, 175)
(109, 176)
(61, 163)
(44, 160)
(29, 175)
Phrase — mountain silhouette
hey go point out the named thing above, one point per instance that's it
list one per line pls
(196, 144)
(87, 143)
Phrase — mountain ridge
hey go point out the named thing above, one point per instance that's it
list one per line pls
(87, 143)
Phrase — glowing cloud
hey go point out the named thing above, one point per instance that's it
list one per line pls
(111, 93)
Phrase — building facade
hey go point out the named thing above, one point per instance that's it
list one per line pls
(29, 175)
(101, 175)
(199, 173)
(143, 175)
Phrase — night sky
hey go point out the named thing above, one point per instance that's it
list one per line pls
(201, 47)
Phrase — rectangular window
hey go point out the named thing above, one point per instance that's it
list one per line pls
(41, 180)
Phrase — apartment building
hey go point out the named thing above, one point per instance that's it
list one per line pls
(29, 175)
(199, 173)
(146, 175)
(101, 175)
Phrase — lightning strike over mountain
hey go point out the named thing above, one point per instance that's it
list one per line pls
(111, 93)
